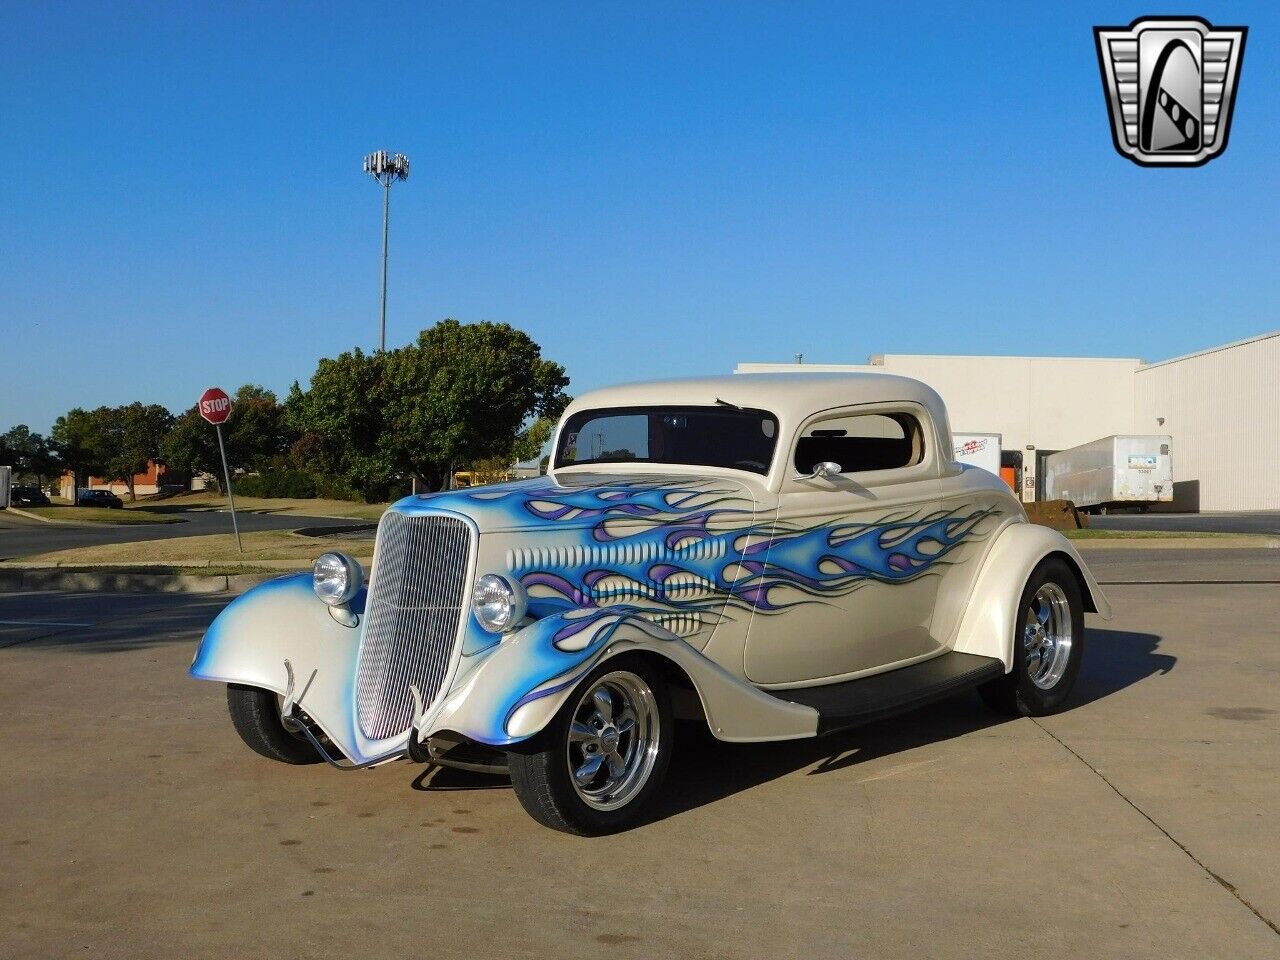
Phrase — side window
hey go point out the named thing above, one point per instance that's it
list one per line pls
(862, 442)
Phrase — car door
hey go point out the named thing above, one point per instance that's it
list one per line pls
(847, 580)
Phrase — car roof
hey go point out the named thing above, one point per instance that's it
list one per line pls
(790, 396)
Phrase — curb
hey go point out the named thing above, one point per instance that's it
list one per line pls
(18, 511)
(12, 581)
(1246, 541)
(331, 530)
(87, 524)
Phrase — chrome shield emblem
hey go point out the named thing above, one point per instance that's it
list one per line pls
(1170, 84)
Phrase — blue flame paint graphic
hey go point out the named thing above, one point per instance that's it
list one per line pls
(652, 547)
(671, 557)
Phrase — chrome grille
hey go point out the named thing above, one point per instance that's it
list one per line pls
(416, 600)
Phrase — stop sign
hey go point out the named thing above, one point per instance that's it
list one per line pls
(215, 405)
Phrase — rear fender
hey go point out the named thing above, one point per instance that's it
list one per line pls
(987, 627)
(523, 681)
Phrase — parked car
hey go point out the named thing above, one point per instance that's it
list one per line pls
(779, 557)
(27, 497)
(99, 498)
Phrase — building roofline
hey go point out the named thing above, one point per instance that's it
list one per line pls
(877, 359)
(1208, 350)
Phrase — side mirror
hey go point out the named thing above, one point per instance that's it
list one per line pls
(823, 470)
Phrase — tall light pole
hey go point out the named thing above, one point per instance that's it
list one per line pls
(386, 168)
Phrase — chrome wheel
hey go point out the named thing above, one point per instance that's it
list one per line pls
(613, 740)
(1046, 635)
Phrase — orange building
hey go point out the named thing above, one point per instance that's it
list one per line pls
(150, 481)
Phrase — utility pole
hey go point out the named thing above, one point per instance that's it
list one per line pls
(386, 169)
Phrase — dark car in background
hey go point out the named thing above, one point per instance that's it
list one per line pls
(99, 498)
(27, 497)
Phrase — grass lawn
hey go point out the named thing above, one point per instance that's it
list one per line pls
(101, 515)
(207, 500)
(1090, 534)
(278, 548)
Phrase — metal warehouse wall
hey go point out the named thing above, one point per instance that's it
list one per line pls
(1222, 407)
(1051, 402)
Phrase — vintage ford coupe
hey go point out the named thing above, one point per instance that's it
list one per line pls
(780, 556)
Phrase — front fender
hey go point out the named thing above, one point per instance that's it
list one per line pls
(522, 682)
(281, 620)
(988, 624)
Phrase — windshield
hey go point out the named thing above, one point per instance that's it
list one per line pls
(719, 436)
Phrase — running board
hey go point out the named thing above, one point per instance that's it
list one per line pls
(855, 702)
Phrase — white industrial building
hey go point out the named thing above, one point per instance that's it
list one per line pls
(1221, 407)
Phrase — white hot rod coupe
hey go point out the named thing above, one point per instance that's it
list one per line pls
(781, 556)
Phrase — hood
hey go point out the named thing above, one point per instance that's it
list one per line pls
(610, 505)
(666, 547)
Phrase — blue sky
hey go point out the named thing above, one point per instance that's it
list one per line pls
(647, 189)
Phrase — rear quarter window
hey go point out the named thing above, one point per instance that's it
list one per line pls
(862, 443)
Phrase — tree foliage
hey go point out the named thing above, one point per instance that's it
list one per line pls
(256, 432)
(114, 442)
(81, 441)
(134, 432)
(461, 393)
(32, 456)
(191, 445)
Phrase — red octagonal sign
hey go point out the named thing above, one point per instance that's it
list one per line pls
(215, 405)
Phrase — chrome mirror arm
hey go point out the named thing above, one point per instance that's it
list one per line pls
(824, 470)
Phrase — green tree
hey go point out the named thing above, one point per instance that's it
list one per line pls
(191, 445)
(257, 429)
(135, 432)
(461, 394)
(343, 418)
(31, 455)
(531, 441)
(257, 432)
(82, 443)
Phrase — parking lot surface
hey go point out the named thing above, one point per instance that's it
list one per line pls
(1140, 823)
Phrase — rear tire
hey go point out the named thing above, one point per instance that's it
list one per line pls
(1048, 645)
(599, 762)
(255, 713)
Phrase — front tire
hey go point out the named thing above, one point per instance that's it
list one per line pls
(255, 713)
(600, 761)
(1048, 645)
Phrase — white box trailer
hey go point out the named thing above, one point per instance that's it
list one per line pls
(1124, 470)
(6, 480)
(978, 449)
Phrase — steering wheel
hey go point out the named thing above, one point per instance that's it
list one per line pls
(749, 464)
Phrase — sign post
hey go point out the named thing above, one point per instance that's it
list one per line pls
(215, 407)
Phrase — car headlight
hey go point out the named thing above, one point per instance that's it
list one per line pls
(336, 578)
(497, 603)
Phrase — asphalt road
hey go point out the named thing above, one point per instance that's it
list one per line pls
(1139, 823)
(1264, 521)
(22, 537)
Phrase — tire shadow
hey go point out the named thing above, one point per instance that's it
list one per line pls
(705, 770)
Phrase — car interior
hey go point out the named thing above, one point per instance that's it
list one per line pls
(861, 443)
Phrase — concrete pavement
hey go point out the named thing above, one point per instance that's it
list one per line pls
(1138, 824)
